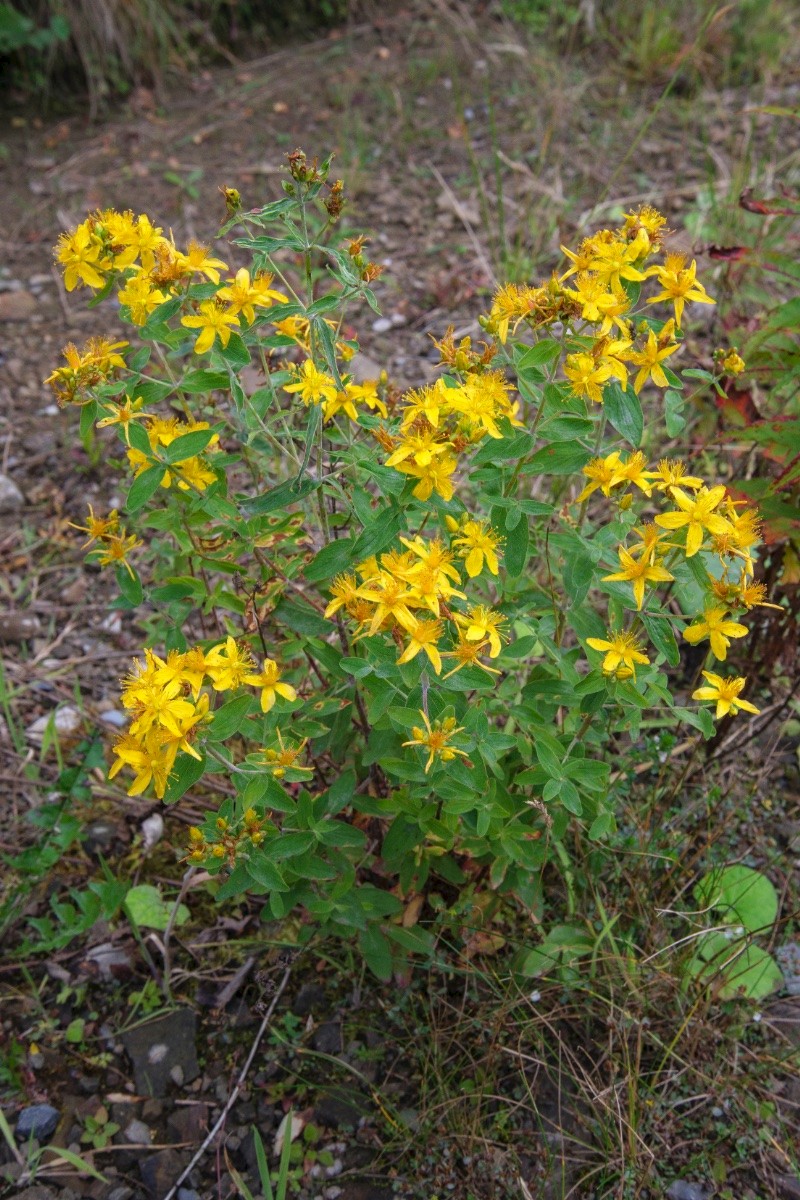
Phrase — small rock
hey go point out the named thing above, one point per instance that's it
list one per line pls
(118, 720)
(40, 281)
(99, 837)
(363, 368)
(11, 498)
(109, 961)
(328, 1038)
(152, 831)
(382, 325)
(138, 1133)
(681, 1190)
(788, 1186)
(188, 1123)
(159, 1171)
(188, 1194)
(310, 996)
(37, 1192)
(17, 627)
(66, 721)
(340, 1107)
(152, 1110)
(17, 306)
(38, 1121)
(120, 1193)
(175, 1033)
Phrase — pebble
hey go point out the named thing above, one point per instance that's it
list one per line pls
(39, 1121)
(18, 627)
(138, 1133)
(17, 305)
(154, 1068)
(112, 717)
(152, 831)
(188, 1194)
(66, 721)
(382, 325)
(681, 1190)
(11, 498)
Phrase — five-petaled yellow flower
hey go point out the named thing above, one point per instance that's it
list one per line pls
(715, 626)
(268, 679)
(724, 689)
(623, 652)
(697, 514)
(214, 321)
(638, 572)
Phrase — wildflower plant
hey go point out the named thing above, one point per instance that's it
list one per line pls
(413, 630)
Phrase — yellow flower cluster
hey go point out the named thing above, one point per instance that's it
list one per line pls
(110, 244)
(317, 387)
(705, 519)
(410, 593)
(85, 369)
(168, 705)
(191, 472)
(439, 422)
(113, 543)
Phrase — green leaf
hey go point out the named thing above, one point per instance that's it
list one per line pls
(138, 439)
(291, 492)
(143, 487)
(674, 419)
(563, 458)
(753, 974)
(743, 895)
(185, 774)
(377, 952)
(378, 535)
(265, 873)
(659, 630)
(331, 560)
(236, 353)
(543, 352)
(188, 445)
(130, 586)
(516, 548)
(624, 411)
(204, 381)
(230, 718)
(147, 909)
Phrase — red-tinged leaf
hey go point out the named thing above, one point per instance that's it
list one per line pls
(728, 253)
(769, 206)
(740, 403)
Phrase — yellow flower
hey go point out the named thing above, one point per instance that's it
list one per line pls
(98, 528)
(467, 654)
(724, 689)
(227, 664)
(214, 321)
(285, 758)
(478, 543)
(732, 363)
(586, 375)
(435, 477)
(129, 411)
(116, 551)
(678, 284)
(148, 761)
(198, 260)
(649, 360)
(244, 296)
(714, 626)
(344, 590)
(424, 636)
(697, 514)
(140, 297)
(82, 256)
(603, 473)
(391, 598)
(268, 679)
(312, 385)
(481, 624)
(435, 739)
(622, 649)
(672, 473)
(638, 573)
